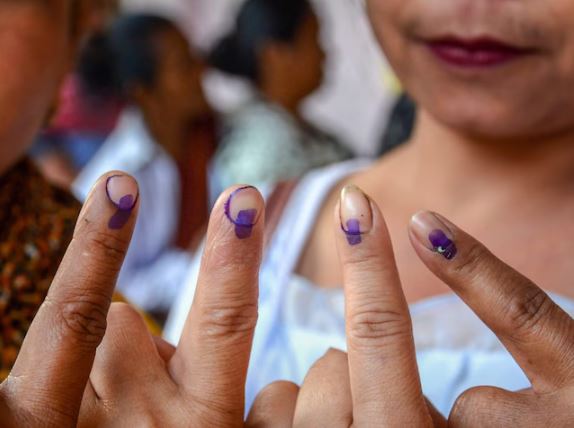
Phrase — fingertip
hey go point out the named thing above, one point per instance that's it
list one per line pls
(112, 203)
(241, 208)
(430, 231)
(355, 214)
(122, 191)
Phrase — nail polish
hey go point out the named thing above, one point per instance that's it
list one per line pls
(123, 193)
(355, 214)
(242, 210)
(433, 233)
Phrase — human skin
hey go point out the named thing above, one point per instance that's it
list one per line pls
(282, 79)
(39, 38)
(176, 98)
(76, 366)
(492, 147)
(377, 382)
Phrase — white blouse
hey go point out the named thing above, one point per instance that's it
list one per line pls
(299, 322)
(154, 269)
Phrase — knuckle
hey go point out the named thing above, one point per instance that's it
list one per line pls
(528, 311)
(331, 361)
(464, 406)
(212, 413)
(471, 407)
(278, 389)
(469, 265)
(373, 326)
(230, 320)
(83, 317)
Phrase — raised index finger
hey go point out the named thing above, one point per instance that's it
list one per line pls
(384, 377)
(58, 352)
(213, 353)
(533, 328)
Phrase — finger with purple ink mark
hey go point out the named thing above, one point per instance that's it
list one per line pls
(355, 213)
(122, 191)
(435, 235)
(241, 209)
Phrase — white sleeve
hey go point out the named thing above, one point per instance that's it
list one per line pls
(155, 286)
(182, 303)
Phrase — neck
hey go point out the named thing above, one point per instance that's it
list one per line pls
(451, 167)
(167, 131)
(278, 94)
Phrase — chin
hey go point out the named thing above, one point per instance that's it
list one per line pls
(485, 122)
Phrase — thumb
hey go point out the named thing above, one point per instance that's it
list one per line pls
(54, 364)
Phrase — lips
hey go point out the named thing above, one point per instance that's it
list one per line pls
(482, 52)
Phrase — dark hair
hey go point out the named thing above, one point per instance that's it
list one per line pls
(133, 40)
(95, 67)
(258, 22)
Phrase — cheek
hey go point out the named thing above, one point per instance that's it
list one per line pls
(29, 82)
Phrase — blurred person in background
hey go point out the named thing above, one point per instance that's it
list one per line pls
(36, 218)
(87, 108)
(274, 45)
(164, 138)
(492, 150)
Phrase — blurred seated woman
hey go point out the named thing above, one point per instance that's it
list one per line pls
(36, 219)
(492, 149)
(165, 138)
(274, 45)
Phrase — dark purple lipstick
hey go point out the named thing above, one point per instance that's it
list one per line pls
(475, 53)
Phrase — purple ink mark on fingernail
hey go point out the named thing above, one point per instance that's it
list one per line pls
(442, 244)
(126, 203)
(125, 206)
(245, 220)
(244, 223)
(353, 232)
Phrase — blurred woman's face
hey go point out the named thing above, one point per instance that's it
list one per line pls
(489, 68)
(178, 87)
(310, 55)
(35, 44)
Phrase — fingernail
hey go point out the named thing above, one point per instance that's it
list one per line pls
(123, 192)
(434, 234)
(242, 209)
(356, 215)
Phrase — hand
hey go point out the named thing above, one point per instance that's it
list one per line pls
(378, 383)
(538, 333)
(141, 381)
(133, 379)
(46, 384)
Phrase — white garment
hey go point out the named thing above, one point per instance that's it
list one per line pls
(153, 269)
(299, 322)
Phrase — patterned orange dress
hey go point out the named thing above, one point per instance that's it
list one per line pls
(36, 225)
(37, 222)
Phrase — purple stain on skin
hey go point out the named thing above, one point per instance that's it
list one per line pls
(245, 220)
(125, 207)
(122, 215)
(353, 232)
(442, 244)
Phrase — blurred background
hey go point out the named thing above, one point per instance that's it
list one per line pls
(359, 87)
(193, 96)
